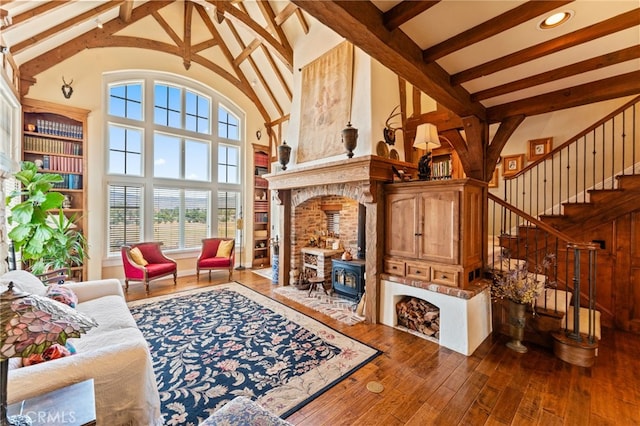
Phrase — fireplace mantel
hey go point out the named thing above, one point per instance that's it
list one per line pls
(359, 178)
(358, 170)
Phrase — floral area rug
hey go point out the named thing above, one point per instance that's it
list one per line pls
(210, 345)
(335, 306)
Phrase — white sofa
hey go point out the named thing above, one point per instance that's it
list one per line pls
(114, 354)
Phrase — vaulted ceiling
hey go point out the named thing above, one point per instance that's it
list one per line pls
(482, 61)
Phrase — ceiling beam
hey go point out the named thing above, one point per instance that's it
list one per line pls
(361, 23)
(186, 45)
(255, 67)
(42, 8)
(66, 50)
(587, 65)
(167, 28)
(285, 13)
(500, 139)
(597, 91)
(601, 29)
(405, 11)
(492, 27)
(244, 86)
(247, 51)
(242, 18)
(302, 20)
(125, 11)
(46, 34)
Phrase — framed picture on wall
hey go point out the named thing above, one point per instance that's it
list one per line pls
(512, 164)
(539, 148)
(493, 183)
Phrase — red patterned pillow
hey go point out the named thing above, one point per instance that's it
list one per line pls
(62, 294)
(52, 352)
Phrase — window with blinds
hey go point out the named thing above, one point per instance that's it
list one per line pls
(180, 218)
(228, 214)
(125, 218)
(168, 140)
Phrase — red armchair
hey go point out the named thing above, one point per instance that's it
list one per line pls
(145, 262)
(211, 258)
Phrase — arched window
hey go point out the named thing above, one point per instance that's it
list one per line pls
(172, 175)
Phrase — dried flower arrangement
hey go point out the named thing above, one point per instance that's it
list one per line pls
(518, 283)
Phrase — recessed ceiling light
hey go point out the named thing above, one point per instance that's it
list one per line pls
(555, 20)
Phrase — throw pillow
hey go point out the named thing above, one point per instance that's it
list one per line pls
(24, 281)
(136, 256)
(224, 249)
(52, 352)
(62, 294)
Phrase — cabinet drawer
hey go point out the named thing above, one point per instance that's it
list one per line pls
(395, 267)
(418, 271)
(444, 276)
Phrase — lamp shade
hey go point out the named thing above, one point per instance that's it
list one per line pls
(29, 323)
(426, 137)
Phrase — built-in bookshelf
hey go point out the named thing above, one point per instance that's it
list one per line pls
(261, 249)
(55, 139)
(445, 163)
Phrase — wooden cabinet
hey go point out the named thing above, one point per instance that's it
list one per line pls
(261, 249)
(433, 231)
(55, 137)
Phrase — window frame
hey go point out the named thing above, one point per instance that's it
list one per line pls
(147, 180)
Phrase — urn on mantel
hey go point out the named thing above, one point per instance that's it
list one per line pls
(284, 154)
(350, 139)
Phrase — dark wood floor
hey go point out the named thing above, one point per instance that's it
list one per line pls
(425, 384)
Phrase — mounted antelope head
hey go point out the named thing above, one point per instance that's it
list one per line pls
(390, 131)
(67, 90)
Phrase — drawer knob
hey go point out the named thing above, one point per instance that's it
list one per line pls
(417, 271)
(443, 276)
(394, 267)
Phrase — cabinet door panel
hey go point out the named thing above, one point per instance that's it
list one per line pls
(440, 222)
(401, 225)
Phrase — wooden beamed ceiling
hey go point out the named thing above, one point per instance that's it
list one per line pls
(379, 34)
(471, 94)
(271, 41)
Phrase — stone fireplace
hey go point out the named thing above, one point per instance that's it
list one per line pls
(351, 182)
(465, 315)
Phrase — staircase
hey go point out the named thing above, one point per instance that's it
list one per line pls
(568, 205)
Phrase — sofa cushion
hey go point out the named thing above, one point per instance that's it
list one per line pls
(225, 247)
(136, 256)
(24, 281)
(110, 312)
(62, 294)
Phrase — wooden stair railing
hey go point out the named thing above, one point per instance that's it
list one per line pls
(569, 294)
(590, 160)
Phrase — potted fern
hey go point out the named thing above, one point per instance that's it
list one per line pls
(45, 240)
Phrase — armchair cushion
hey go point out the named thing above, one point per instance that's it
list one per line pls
(224, 248)
(136, 256)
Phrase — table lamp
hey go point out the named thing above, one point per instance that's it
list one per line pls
(427, 139)
(29, 324)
